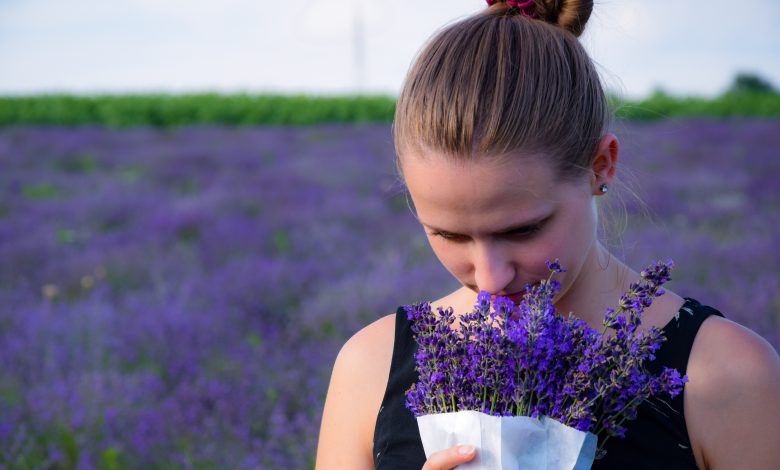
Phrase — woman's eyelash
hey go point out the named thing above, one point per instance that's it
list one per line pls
(446, 235)
(525, 231)
(520, 232)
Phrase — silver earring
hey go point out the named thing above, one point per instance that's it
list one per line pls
(603, 188)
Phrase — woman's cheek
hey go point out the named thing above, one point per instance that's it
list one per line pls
(447, 253)
(455, 259)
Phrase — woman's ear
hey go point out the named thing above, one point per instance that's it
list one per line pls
(604, 164)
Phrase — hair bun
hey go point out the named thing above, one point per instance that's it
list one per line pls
(571, 15)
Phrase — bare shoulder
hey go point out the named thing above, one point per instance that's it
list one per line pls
(722, 339)
(355, 393)
(729, 355)
(732, 399)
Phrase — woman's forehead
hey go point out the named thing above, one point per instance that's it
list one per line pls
(483, 178)
(484, 195)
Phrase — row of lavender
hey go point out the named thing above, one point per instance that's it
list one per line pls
(176, 298)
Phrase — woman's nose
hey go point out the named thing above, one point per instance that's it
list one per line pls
(493, 270)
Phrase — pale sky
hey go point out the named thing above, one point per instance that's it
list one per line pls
(689, 47)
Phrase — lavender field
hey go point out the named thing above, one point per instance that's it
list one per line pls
(176, 298)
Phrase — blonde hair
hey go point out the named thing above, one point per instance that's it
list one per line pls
(498, 82)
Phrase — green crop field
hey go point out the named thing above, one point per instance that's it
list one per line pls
(150, 110)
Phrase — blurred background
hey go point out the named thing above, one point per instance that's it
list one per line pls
(198, 206)
(349, 46)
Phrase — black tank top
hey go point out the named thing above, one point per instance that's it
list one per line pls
(657, 438)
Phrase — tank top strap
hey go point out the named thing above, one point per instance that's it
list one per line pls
(660, 433)
(404, 345)
(397, 442)
(680, 333)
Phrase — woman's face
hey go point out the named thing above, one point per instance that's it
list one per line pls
(493, 224)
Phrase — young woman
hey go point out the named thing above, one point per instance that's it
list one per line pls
(501, 132)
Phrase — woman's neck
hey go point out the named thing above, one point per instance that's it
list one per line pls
(597, 287)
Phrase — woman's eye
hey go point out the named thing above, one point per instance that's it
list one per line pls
(448, 236)
(518, 234)
(525, 232)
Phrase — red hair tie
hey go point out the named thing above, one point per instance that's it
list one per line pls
(527, 7)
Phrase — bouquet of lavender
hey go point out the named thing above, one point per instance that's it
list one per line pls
(530, 387)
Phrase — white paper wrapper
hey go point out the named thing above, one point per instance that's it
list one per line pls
(509, 442)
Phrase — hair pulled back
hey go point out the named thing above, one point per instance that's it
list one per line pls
(499, 82)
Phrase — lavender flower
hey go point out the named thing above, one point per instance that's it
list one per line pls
(528, 360)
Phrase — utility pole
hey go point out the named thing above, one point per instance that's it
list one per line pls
(359, 46)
